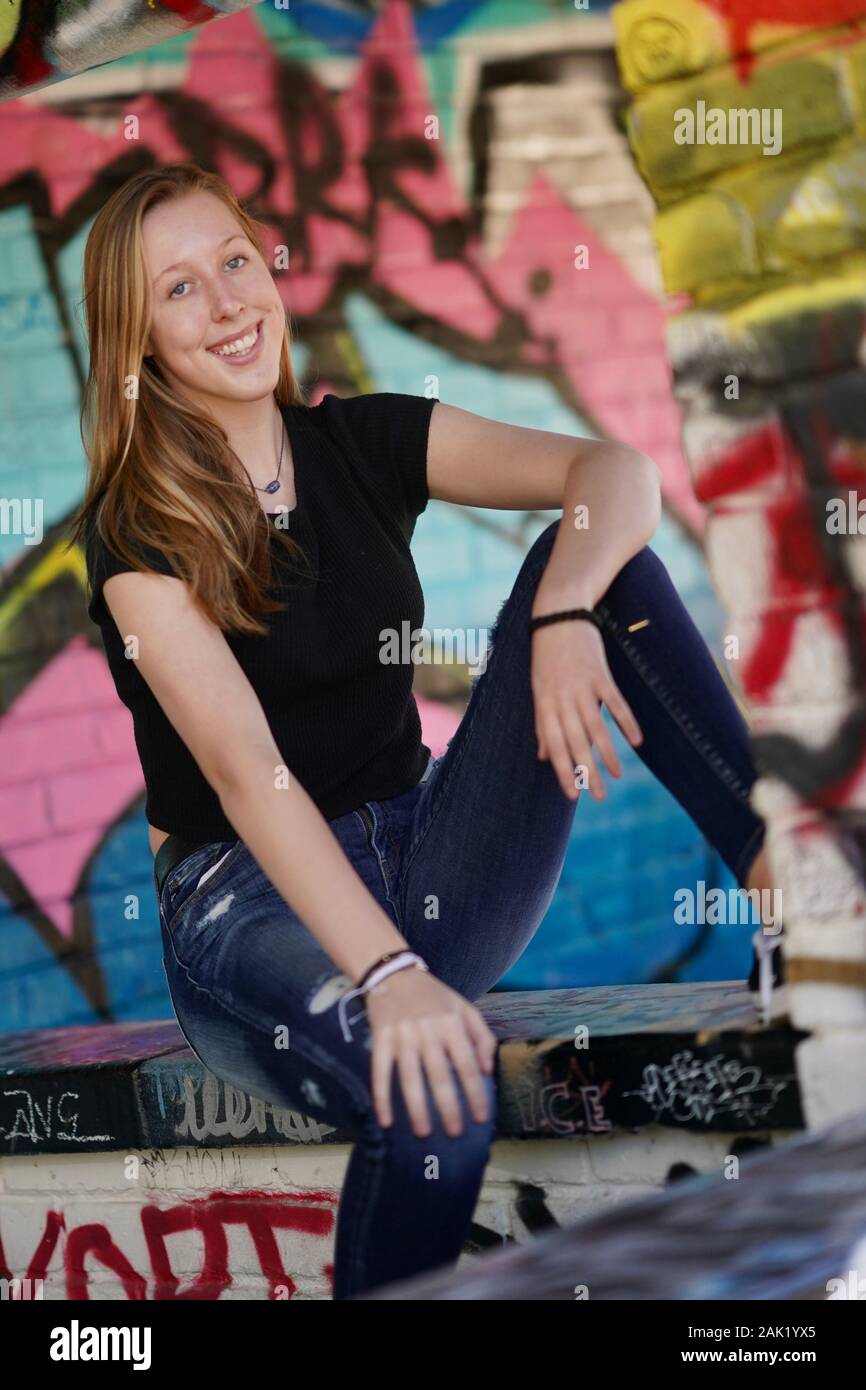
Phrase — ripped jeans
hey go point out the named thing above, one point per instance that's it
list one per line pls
(482, 840)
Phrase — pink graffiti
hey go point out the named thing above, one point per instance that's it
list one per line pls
(48, 833)
(395, 234)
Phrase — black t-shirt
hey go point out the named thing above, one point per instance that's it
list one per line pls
(344, 720)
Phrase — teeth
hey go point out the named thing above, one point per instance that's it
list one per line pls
(239, 345)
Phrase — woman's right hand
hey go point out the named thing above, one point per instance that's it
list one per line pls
(417, 1020)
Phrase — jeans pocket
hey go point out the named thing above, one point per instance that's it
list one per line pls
(195, 872)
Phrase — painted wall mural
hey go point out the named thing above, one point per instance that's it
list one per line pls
(44, 41)
(748, 124)
(433, 170)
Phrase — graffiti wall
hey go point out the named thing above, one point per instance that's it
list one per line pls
(748, 124)
(455, 185)
(44, 41)
(202, 1225)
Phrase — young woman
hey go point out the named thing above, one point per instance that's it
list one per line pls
(333, 900)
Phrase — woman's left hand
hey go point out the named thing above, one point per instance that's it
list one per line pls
(570, 681)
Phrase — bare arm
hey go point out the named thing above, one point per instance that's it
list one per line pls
(210, 702)
(610, 495)
(617, 491)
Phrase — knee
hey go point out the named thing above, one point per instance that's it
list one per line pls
(642, 566)
(637, 578)
(464, 1154)
(536, 558)
(543, 543)
(643, 562)
(451, 1154)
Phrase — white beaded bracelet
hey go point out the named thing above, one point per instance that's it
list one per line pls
(401, 962)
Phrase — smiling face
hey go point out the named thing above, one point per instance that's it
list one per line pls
(217, 322)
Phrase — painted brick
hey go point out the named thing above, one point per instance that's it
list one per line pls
(72, 796)
(571, 1181)
(778, 245)
(23, 812)
(503, 325)
(74, 739)
(113, 729)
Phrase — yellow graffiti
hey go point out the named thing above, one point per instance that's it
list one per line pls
(56, 562)
(353, 361)
(686, 132)
(660, 40)
(10, 13)
(752, 225)
(845, 285)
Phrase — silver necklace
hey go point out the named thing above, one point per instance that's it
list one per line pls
(274, 485)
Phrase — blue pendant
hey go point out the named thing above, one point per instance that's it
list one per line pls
(273, 487)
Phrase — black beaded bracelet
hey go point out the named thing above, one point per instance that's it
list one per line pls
(586, 613)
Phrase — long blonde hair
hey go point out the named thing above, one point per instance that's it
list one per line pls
(160, 471)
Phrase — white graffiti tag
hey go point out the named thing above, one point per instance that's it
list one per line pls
(697, 1088)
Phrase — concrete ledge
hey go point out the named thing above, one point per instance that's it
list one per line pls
(128, 1171)
(571, 1062)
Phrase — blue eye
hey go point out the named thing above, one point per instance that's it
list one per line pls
(172, 294)
(238, 257)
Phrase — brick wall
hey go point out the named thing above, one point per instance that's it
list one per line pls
(530, 159)
(152, 1224)
(761, 227)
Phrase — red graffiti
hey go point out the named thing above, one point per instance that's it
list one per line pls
(94, 1240)
(191, 11)
(800, 576)
(743, 16)
(311, 1213)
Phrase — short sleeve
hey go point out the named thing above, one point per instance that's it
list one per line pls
(102, 563)
(390, 431)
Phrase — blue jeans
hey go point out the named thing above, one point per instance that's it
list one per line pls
(466, 864)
